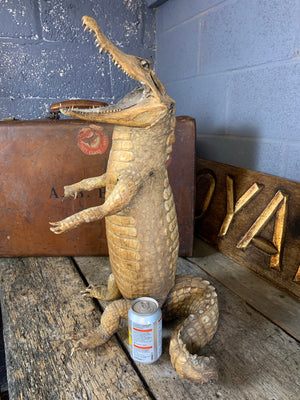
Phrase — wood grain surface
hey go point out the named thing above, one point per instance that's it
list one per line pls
(270, 301)
(42, 307)
(256, 359)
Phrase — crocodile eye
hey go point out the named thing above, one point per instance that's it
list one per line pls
(145, 64)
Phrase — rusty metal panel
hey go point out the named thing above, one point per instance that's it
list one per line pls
(38, 158)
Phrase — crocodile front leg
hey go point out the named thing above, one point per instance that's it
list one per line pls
(110, 321)
(122, 194)
(195, 299)
(85, 185)
(102, 292)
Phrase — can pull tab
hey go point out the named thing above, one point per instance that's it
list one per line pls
(55, 107)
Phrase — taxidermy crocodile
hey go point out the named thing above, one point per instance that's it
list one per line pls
(141, 222)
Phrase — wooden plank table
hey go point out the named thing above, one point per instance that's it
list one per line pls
(41, 307)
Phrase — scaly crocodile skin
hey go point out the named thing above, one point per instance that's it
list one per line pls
(141, 222)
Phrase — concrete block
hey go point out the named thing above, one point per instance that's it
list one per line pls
(25, 108)
(245, 33)
(257, 155)
(270, 158)
(291, 151)
(177, 52)
(52, 70)
(203, 98)
(268, 99)
(46, 56)
(177, 11)
(18, 19)
(61, 20)
(125, 23)
(5, 109)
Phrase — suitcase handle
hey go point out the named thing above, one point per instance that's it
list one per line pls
(55, 107)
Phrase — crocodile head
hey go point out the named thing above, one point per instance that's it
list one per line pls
(140, 108)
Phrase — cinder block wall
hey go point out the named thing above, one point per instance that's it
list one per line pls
(234, 65)
(45, 55)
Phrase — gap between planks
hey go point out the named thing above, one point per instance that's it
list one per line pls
(42, 308)
(256, 359)
(277, 306)
(122, 345)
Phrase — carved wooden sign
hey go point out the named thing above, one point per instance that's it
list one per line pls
(253, 218)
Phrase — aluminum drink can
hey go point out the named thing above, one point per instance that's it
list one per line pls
(145, 330)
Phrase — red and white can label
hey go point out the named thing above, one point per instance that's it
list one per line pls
(145, 336)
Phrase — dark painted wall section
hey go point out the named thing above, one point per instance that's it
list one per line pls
(234, 65)
(45, 55)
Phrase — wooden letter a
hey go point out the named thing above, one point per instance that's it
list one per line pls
(277, 205)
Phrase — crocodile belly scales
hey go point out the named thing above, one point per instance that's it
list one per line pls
(143, 238)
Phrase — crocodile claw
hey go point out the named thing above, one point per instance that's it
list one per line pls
(58, 227)
(89, 291)
(69, 192)
(94, 339)
(76, 347)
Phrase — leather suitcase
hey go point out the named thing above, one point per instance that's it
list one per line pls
(38, 158)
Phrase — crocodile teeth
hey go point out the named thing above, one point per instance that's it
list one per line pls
(101, 50)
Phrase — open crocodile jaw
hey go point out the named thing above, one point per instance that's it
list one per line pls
(140, 108)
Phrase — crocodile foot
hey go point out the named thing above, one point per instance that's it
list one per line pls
(89, 215)
(102, 292)
(94, 339)
(68, 223)
(110, 321)
(70, 191)
(85, 184)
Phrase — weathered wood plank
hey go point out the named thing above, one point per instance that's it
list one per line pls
(274, 304)
(256, 359)
(41, 305)
(253, 218)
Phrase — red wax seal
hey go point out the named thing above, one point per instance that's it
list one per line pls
(93, 140)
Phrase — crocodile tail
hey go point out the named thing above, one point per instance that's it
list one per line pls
(195, 299)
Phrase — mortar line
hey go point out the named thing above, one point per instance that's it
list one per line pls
(200, 14)
(277, 63)
(247, 138)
